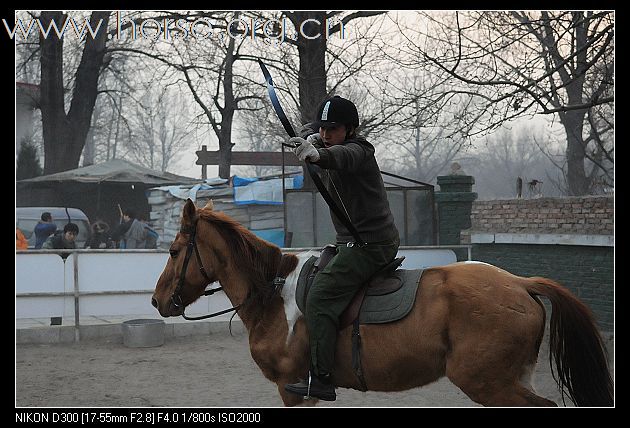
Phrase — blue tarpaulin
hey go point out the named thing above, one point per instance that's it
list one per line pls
(265, 191)
(242, 181)
(275, 236)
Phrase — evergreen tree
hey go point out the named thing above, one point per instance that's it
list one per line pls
(28, 165)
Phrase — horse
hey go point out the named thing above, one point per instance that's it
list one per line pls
(475, 323)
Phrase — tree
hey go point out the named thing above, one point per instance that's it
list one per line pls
(224, 101)
(222, 76)
(515, 64)
(508, 154)
(208, 70)
(71, 73)
(161, 124)
(424, 142)
(28, 165)
(65, 133)
(314, 57)
(310, 36)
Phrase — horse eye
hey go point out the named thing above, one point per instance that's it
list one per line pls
(174, 253)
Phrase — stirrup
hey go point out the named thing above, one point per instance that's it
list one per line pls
(308, 387)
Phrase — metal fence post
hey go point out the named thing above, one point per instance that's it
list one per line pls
(75, 258)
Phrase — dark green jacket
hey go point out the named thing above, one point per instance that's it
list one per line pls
(352, 168)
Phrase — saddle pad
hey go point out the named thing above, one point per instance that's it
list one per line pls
(378, 309)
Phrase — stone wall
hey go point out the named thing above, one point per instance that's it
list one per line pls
(454, 204)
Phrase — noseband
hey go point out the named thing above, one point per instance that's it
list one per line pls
(176, 298)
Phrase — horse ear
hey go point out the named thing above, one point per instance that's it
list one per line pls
(189, 213)
(210, 205)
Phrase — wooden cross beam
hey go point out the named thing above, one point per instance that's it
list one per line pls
(249, 158)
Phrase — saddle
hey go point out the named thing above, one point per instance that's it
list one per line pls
(387, 296)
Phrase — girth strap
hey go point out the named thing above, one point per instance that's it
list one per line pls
(356, 354)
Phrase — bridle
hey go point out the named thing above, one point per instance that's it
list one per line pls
(176, 297)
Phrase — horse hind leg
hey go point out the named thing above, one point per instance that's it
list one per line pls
(526, 382)
(518, 395)
(494, 393)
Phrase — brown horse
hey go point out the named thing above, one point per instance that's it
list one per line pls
(473, 322)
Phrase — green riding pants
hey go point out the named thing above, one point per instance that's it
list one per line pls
(332, 290)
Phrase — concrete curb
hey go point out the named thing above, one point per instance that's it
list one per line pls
(113, 331)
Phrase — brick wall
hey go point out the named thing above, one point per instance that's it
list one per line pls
(588, 215)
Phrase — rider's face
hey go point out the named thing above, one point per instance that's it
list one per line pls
(332, 135)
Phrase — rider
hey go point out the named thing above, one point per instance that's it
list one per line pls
(351, 175)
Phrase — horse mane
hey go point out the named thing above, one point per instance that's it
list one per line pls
(260, 261)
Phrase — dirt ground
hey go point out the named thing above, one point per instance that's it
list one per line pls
(194, 371)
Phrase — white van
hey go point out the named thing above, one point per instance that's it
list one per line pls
(27, 218)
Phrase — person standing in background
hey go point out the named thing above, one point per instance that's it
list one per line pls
(20, 240)
(130, 231)
(44, 228)
(100, 236)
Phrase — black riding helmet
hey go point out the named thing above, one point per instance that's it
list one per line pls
(337, 110)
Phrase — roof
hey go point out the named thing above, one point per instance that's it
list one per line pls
(114, 171)
(55, 212)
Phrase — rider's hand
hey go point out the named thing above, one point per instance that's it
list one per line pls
(295, 142)
(315, 138)
(305, 151)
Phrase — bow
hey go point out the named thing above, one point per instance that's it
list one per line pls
(342, 216)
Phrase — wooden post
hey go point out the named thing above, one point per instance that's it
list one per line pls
(204, 167)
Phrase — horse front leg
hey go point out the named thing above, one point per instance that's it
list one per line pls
(289, 367)
(281, 371)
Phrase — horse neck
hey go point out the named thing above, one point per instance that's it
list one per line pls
(248, 282)
(261, 301)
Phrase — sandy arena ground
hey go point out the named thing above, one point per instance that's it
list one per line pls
(194, 371)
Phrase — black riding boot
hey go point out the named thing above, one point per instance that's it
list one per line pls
(320, 387)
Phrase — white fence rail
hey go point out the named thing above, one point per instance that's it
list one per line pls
(116, 283)
(91, 283)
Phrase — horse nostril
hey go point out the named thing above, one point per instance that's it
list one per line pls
(154, 302)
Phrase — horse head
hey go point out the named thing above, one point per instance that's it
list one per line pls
(185, 276)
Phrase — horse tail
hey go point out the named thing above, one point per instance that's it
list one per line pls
(575, 346)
